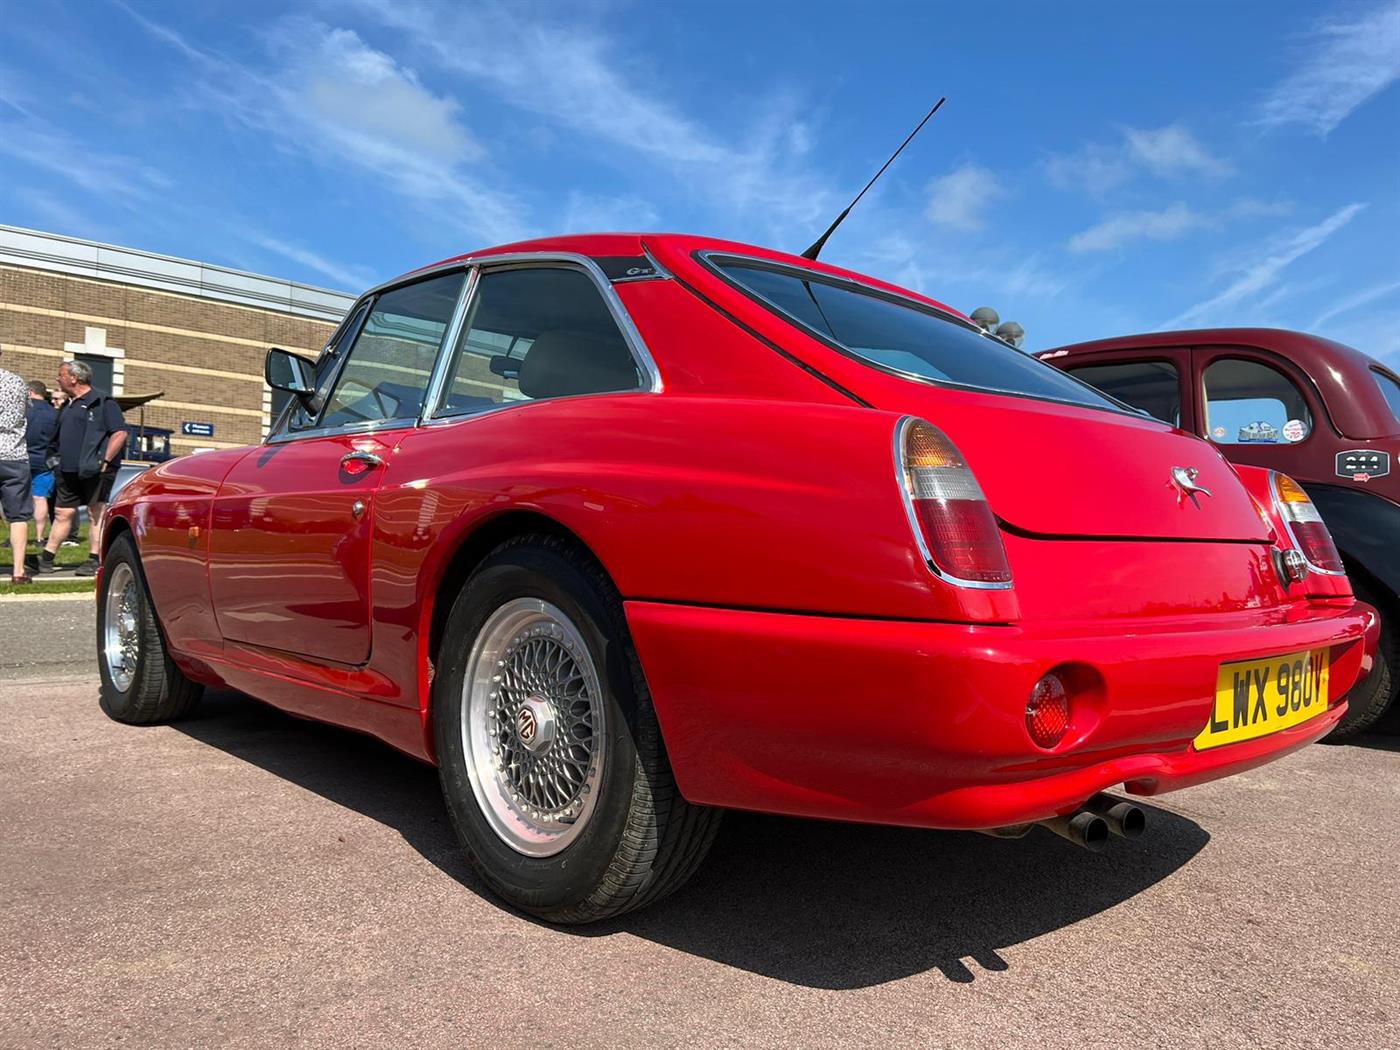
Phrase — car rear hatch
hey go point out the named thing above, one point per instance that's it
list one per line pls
(1062, 470)
(1054, 456)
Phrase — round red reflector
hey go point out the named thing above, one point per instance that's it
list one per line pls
(1047, 713)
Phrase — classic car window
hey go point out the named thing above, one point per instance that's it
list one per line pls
(536, 333)
(1153, 386)
(1390, 390)
(1248, 403)
(905, 337)
(386, 374)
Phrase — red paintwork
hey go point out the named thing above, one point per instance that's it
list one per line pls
(801, 656)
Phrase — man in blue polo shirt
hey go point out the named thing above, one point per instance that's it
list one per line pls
(91, 439)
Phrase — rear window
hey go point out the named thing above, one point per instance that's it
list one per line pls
(901, 336)
(1390, 389)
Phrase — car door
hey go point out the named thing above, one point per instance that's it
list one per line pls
(1156, 381)
(1256, 407)
(291, 529)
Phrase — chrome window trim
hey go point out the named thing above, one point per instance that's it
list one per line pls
(465, 300)
(379, 425)
(651, 382)
(707, 257)
(901, 477)
(1288, 528)
(349, 329)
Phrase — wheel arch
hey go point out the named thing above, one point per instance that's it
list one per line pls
(113, 525)
(470, 549)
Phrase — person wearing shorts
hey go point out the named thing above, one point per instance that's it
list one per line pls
(90, 415)
(40, 429)
(16, 502)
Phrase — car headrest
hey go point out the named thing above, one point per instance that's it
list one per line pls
(561, 363)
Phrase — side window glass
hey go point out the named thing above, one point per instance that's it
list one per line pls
(536, 333)
(1390, 390)
(1248, 403)
(1152, 386)
(386, 374)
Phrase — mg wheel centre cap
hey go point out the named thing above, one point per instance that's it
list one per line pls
(535, 724)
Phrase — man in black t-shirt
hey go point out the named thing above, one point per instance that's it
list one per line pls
(90, 442)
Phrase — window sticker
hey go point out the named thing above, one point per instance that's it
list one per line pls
(1295, 430)
(1258, 433)
(1219, 433)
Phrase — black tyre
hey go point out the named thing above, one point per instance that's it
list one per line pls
(549, 752)
(140, 683)
(1369, 699)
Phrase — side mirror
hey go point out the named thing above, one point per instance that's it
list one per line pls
(287, 371)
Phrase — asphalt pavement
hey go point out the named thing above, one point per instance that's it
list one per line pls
(250, 879)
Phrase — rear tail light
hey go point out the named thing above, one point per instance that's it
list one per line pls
(1305, 527)
(1047, 712)
(952, 521)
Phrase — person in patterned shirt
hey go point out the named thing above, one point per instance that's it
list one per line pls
(16, 503)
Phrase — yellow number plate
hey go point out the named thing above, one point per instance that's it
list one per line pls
(1256, 697)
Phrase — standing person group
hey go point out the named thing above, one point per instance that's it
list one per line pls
(68, 458)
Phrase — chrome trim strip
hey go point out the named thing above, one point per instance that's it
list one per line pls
(1288, 528)
(438, 379)
(901, 477)
(377, 427)
(661, 271)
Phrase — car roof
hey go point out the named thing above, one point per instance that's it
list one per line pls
(596, 245)
(1341, 373)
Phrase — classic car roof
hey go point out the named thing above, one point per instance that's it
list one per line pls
(597, 245)
(1342, 374)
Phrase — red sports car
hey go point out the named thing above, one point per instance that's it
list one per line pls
(622, 530)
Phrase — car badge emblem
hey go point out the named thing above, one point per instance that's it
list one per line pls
(526, 724)
(1184, 478)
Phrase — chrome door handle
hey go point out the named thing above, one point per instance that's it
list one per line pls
(363, 460)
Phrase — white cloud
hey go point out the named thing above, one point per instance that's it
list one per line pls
(1166, 225)
(1351, 303)
(1259, 274)
(1094, 168)
(577, 77)
(349, 279)
(1172, 151)
(1346, 62)
(364, 97)
(586, 212)
(959, 199)
(110, 176)
(1167, 152)
(332, 99)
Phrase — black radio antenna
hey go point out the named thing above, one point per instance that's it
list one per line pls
(816, 248)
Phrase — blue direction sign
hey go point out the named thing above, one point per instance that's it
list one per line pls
(204, 430)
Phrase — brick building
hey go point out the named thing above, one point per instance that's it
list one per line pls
(147, 324)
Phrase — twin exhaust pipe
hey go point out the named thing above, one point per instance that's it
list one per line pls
(1091, 825)
(1101, 816)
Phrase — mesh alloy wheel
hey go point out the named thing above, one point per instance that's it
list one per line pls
(534, 727)
(121, 634)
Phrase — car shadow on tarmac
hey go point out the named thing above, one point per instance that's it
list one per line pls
(817, 904)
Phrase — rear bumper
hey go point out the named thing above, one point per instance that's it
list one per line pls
(923, 724)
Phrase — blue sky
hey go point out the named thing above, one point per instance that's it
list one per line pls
(1098, 169)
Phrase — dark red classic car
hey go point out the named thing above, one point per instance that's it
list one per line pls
(1321, 412)
(622, 530)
